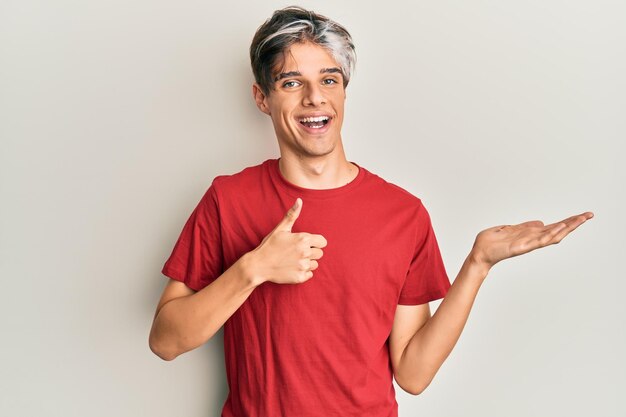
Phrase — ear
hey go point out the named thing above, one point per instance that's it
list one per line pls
(260, 98)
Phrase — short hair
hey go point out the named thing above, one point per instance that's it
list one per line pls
(294, 25)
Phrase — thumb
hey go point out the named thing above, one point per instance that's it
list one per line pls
(290, 218)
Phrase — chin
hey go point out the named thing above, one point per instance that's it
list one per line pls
(318, 152)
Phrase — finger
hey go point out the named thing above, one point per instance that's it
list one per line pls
(587, 215)
(547, 234)
(579, 219)
(316, 253)
(318, 241)
(313, 265)
(290, 218)
(564, 221)
(571, 226)
(550, 232)
(557, 231)
(532, 223)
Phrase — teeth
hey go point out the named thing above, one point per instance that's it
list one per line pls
(314, 119)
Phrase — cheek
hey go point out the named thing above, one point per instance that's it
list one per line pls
(281, 118)
(339, 99)
(339, 109)
(284, 107)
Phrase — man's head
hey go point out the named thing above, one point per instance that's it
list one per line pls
(296, 25)
(302, 63)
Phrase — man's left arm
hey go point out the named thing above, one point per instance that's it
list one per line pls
(419, 343)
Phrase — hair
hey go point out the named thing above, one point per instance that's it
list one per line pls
(296, 25)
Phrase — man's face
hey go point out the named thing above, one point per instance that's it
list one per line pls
(306, 105)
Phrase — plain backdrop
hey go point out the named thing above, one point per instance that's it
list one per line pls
(115, 116)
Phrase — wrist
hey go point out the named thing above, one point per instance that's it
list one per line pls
(249, 267)
(476, 262)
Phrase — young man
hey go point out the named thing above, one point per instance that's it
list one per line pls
(324, 305)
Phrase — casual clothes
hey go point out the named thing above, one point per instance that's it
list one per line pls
(318, 348)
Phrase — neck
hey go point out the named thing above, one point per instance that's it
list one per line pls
(318, 173)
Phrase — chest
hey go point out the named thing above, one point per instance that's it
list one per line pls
(360, 275)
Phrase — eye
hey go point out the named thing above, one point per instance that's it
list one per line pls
(291, 84)
(330, 81)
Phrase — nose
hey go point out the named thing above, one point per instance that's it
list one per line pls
(313, 96)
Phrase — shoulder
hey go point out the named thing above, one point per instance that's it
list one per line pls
(242, 191)
(402, 206)
(246, 179)
(248, 174)
(389, 192)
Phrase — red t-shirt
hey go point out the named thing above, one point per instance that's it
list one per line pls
(319, 348)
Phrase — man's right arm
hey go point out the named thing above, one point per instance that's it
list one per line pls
(185, 319)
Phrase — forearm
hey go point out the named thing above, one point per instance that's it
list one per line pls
(433, 342)
(185, 323)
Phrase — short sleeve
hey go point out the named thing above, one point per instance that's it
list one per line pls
(197, 258)
(426, 279)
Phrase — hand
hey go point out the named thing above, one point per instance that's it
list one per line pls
(284, 257)
(501, 242)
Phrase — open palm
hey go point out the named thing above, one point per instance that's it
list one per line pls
(501, 242)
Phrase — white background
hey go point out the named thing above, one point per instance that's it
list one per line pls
(115, 116)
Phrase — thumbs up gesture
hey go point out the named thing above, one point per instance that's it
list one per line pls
(284, 257)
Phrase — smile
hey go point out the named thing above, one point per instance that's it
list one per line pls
(314, 122)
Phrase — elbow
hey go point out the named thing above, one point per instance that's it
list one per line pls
(164, 355)
(159, 350)
(414, 387)
(168, 348)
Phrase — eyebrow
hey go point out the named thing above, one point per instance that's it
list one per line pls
(282, 75)
(332, 70)
(287, 75)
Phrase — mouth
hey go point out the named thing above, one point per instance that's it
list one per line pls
(317, 122)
